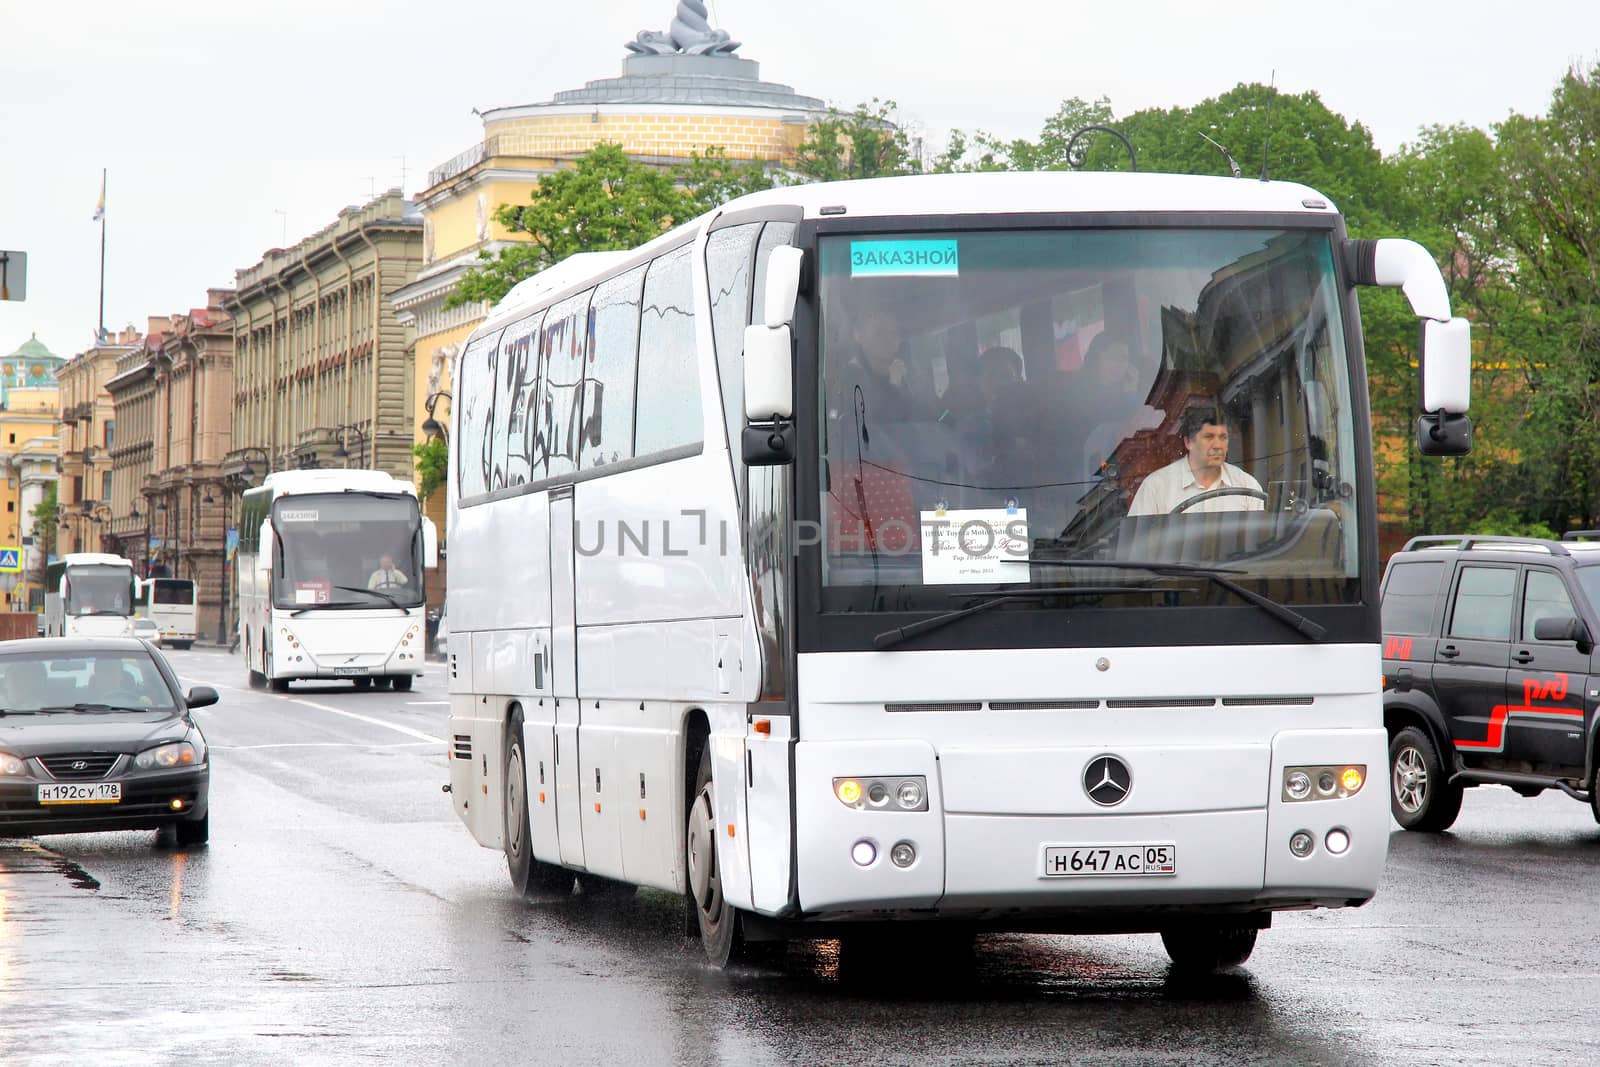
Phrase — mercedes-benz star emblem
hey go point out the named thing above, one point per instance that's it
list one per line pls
(1107, 780)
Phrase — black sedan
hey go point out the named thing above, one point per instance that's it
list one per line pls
(96, 735)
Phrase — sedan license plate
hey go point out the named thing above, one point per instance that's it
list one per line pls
(352, 670)
(81, 793)
(1116, 861)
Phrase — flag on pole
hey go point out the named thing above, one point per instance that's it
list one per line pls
(100, 208)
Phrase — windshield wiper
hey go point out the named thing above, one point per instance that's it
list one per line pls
(91, 709)
(1218, 575)
(890, 638)
(393, 603)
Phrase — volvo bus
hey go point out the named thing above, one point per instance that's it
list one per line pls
(170, 604)
(802, 565)
(90, 594)
(331, 572)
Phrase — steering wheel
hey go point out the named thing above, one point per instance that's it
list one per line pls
(1212, 494)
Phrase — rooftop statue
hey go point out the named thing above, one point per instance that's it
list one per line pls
(690, 34)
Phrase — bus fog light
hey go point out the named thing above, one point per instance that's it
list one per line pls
(1297, 784)
(1352, 778)
(1301, 843)
(1337, 841)
(877, 794)
(904, 854)
(911, 794)
(1326, 782)
(865, 853)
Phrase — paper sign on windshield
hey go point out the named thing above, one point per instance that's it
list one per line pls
(885, 259)
(967, 547)
(297, 514)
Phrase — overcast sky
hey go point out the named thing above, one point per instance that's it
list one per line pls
(231, 128)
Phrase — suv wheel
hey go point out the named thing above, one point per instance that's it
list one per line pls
(1419, 794)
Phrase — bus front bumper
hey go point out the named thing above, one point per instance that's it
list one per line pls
(1199, 827)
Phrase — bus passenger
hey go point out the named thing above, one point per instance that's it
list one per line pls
(890, 391)
(1201, 469)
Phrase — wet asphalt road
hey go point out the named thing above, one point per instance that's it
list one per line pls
(342, 915)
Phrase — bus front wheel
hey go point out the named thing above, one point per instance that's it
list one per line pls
(258, 680)
(718, 921)
(529, 877)
(402, 682)
(1206, 949)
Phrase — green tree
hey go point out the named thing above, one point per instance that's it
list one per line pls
(710, 179)
(606, 201)
(867, 142)
(44, 519)
(433, 466)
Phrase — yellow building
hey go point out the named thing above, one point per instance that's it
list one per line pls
(680, 91)
(28, 417)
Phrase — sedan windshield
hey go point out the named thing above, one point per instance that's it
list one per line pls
(348, 550)
(1161, 395)
(84, 682)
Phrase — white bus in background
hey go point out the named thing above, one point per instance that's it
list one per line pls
(90, 594)
(331, 572)
(170, 604)
(794, 567)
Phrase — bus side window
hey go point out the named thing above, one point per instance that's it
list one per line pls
(566, 330)
(728, 266)
(669, 375)
(477, 395)
(519, 352)
(608, 382)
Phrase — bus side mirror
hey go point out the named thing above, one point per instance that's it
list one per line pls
(1444, 429)
(430, 543)
(768, 396)
(783, 285)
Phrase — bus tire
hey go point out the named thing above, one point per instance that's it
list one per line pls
(362, 683)
(402, 682)
(718, 921)
(529, 877)
(258, 680)
(1208, 949)
(279, 685)
(1420, 796)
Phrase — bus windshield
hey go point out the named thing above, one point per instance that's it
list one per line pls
(348, 550)
(1177, 395)
(99, 589)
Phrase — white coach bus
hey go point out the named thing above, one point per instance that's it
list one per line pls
(90, 594)
(801, 564)
(331, 567)
(170, 604)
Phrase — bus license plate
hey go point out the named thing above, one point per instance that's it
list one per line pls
(352, 670)
(1117, 861)
(79, 793)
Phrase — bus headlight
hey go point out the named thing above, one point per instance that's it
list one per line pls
(907, 793)
(1333, 782)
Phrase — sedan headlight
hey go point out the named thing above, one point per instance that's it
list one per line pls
(11, 765)
(177, 754)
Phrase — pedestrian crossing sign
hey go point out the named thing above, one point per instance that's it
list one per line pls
(10, 559)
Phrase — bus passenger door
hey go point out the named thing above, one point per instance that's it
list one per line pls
(564, 677)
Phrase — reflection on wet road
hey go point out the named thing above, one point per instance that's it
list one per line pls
(341, 914)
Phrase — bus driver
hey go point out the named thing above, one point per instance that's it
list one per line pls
(1202, 468)
(386, 576)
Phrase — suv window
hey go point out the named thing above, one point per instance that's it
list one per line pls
(1544, 596)
(1409, 595)
(1482, 608)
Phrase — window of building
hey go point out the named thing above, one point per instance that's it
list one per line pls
(105, 486)
(669, 377)
(111, 432)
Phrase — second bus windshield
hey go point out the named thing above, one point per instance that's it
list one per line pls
(1159, 394)
(347, 550)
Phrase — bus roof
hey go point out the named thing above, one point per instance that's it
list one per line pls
(79, 559)
(984, 193)
(288, 483)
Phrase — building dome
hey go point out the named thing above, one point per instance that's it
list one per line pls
(31, 366)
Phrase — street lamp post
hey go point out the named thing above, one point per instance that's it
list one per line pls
(342, 453)
(432, 426)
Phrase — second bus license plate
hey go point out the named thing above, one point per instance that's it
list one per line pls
(1119, 861)
(75, 793)
(352, 670)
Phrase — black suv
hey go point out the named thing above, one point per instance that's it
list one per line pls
(1491, 674)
